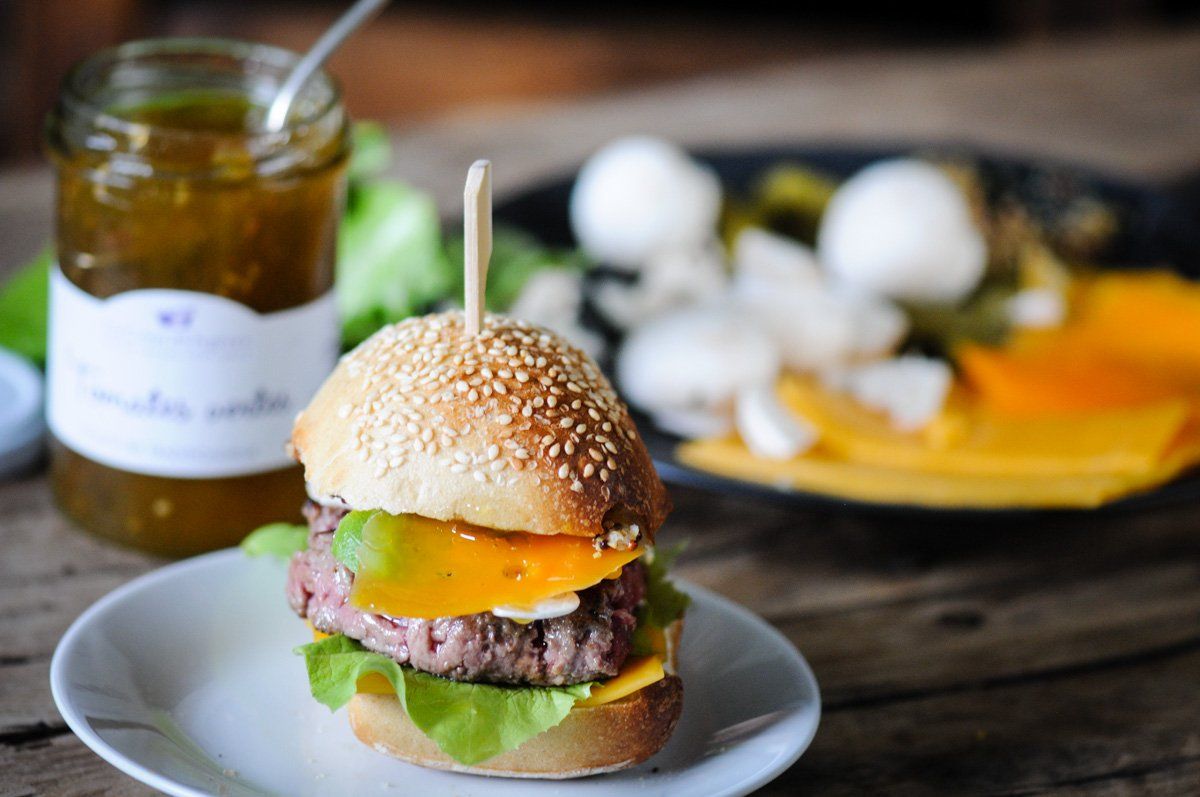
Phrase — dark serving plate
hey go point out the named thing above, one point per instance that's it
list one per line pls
(1159, 226)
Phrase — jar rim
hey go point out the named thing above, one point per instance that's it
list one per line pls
(77, 98)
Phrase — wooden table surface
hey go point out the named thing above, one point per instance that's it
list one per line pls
(1041, 657)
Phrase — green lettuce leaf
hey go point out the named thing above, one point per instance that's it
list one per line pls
(516, 256)
(348, 537)
(391, 263)
(24, 304)
(469, 722)
(280, 540)
(664, 603)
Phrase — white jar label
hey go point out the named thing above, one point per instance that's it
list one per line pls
(182, 384)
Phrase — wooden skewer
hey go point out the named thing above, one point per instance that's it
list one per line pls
(477, 234)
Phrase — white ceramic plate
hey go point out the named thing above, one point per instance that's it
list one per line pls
(185, 680)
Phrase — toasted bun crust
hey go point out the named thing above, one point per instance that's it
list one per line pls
(514, 429)
(591, 740)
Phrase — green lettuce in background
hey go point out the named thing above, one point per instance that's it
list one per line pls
(516, 256)
(469, 722)
(391, 263)
(24, 307)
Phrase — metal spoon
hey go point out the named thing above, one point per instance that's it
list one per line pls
(352, 20)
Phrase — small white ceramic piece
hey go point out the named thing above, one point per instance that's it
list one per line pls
(185, 679)
(22, 421)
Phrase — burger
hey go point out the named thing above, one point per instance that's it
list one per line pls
(478, 568)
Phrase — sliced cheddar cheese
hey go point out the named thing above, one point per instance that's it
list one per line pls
(411, 566)
(818, 472)
(980, 441)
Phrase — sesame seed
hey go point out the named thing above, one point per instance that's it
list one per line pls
(588, 470)
(581, 428)
(604, 474)
(522, 453)
(554, 449)
(504, 418)
(565, 422)
(493, 451)
(569, 448)
(563, 471)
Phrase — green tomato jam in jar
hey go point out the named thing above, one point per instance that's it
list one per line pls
(192, 313)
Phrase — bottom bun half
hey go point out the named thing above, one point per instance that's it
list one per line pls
(590, 741)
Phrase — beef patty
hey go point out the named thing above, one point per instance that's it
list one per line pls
(588, 644)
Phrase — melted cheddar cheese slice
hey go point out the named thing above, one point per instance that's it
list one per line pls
(410, 566)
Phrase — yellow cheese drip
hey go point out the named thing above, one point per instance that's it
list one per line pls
(410, 566)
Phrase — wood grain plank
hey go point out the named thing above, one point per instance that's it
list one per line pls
(1104, 732)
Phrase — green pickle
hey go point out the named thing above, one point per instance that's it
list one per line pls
(163, 185)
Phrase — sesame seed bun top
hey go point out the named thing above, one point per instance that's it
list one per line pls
(513, 429)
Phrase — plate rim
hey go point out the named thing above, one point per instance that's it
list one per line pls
(67, 644)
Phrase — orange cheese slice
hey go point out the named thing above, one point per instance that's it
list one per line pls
(819, 472)
(638, 672)
(410, 566)
(1116, 441)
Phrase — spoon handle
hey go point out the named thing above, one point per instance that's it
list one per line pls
(356, 16)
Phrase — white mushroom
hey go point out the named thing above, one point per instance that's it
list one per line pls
(766, 263)
(910, 389)
(639, 196)
(815, 326)
(1037, 308)
(671, 279)
(552, 298)
(902, 229)
(688, 365)
(766, 426)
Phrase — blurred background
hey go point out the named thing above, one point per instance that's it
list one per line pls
(425, 60)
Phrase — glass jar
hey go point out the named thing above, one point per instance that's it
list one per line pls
(192, 313)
